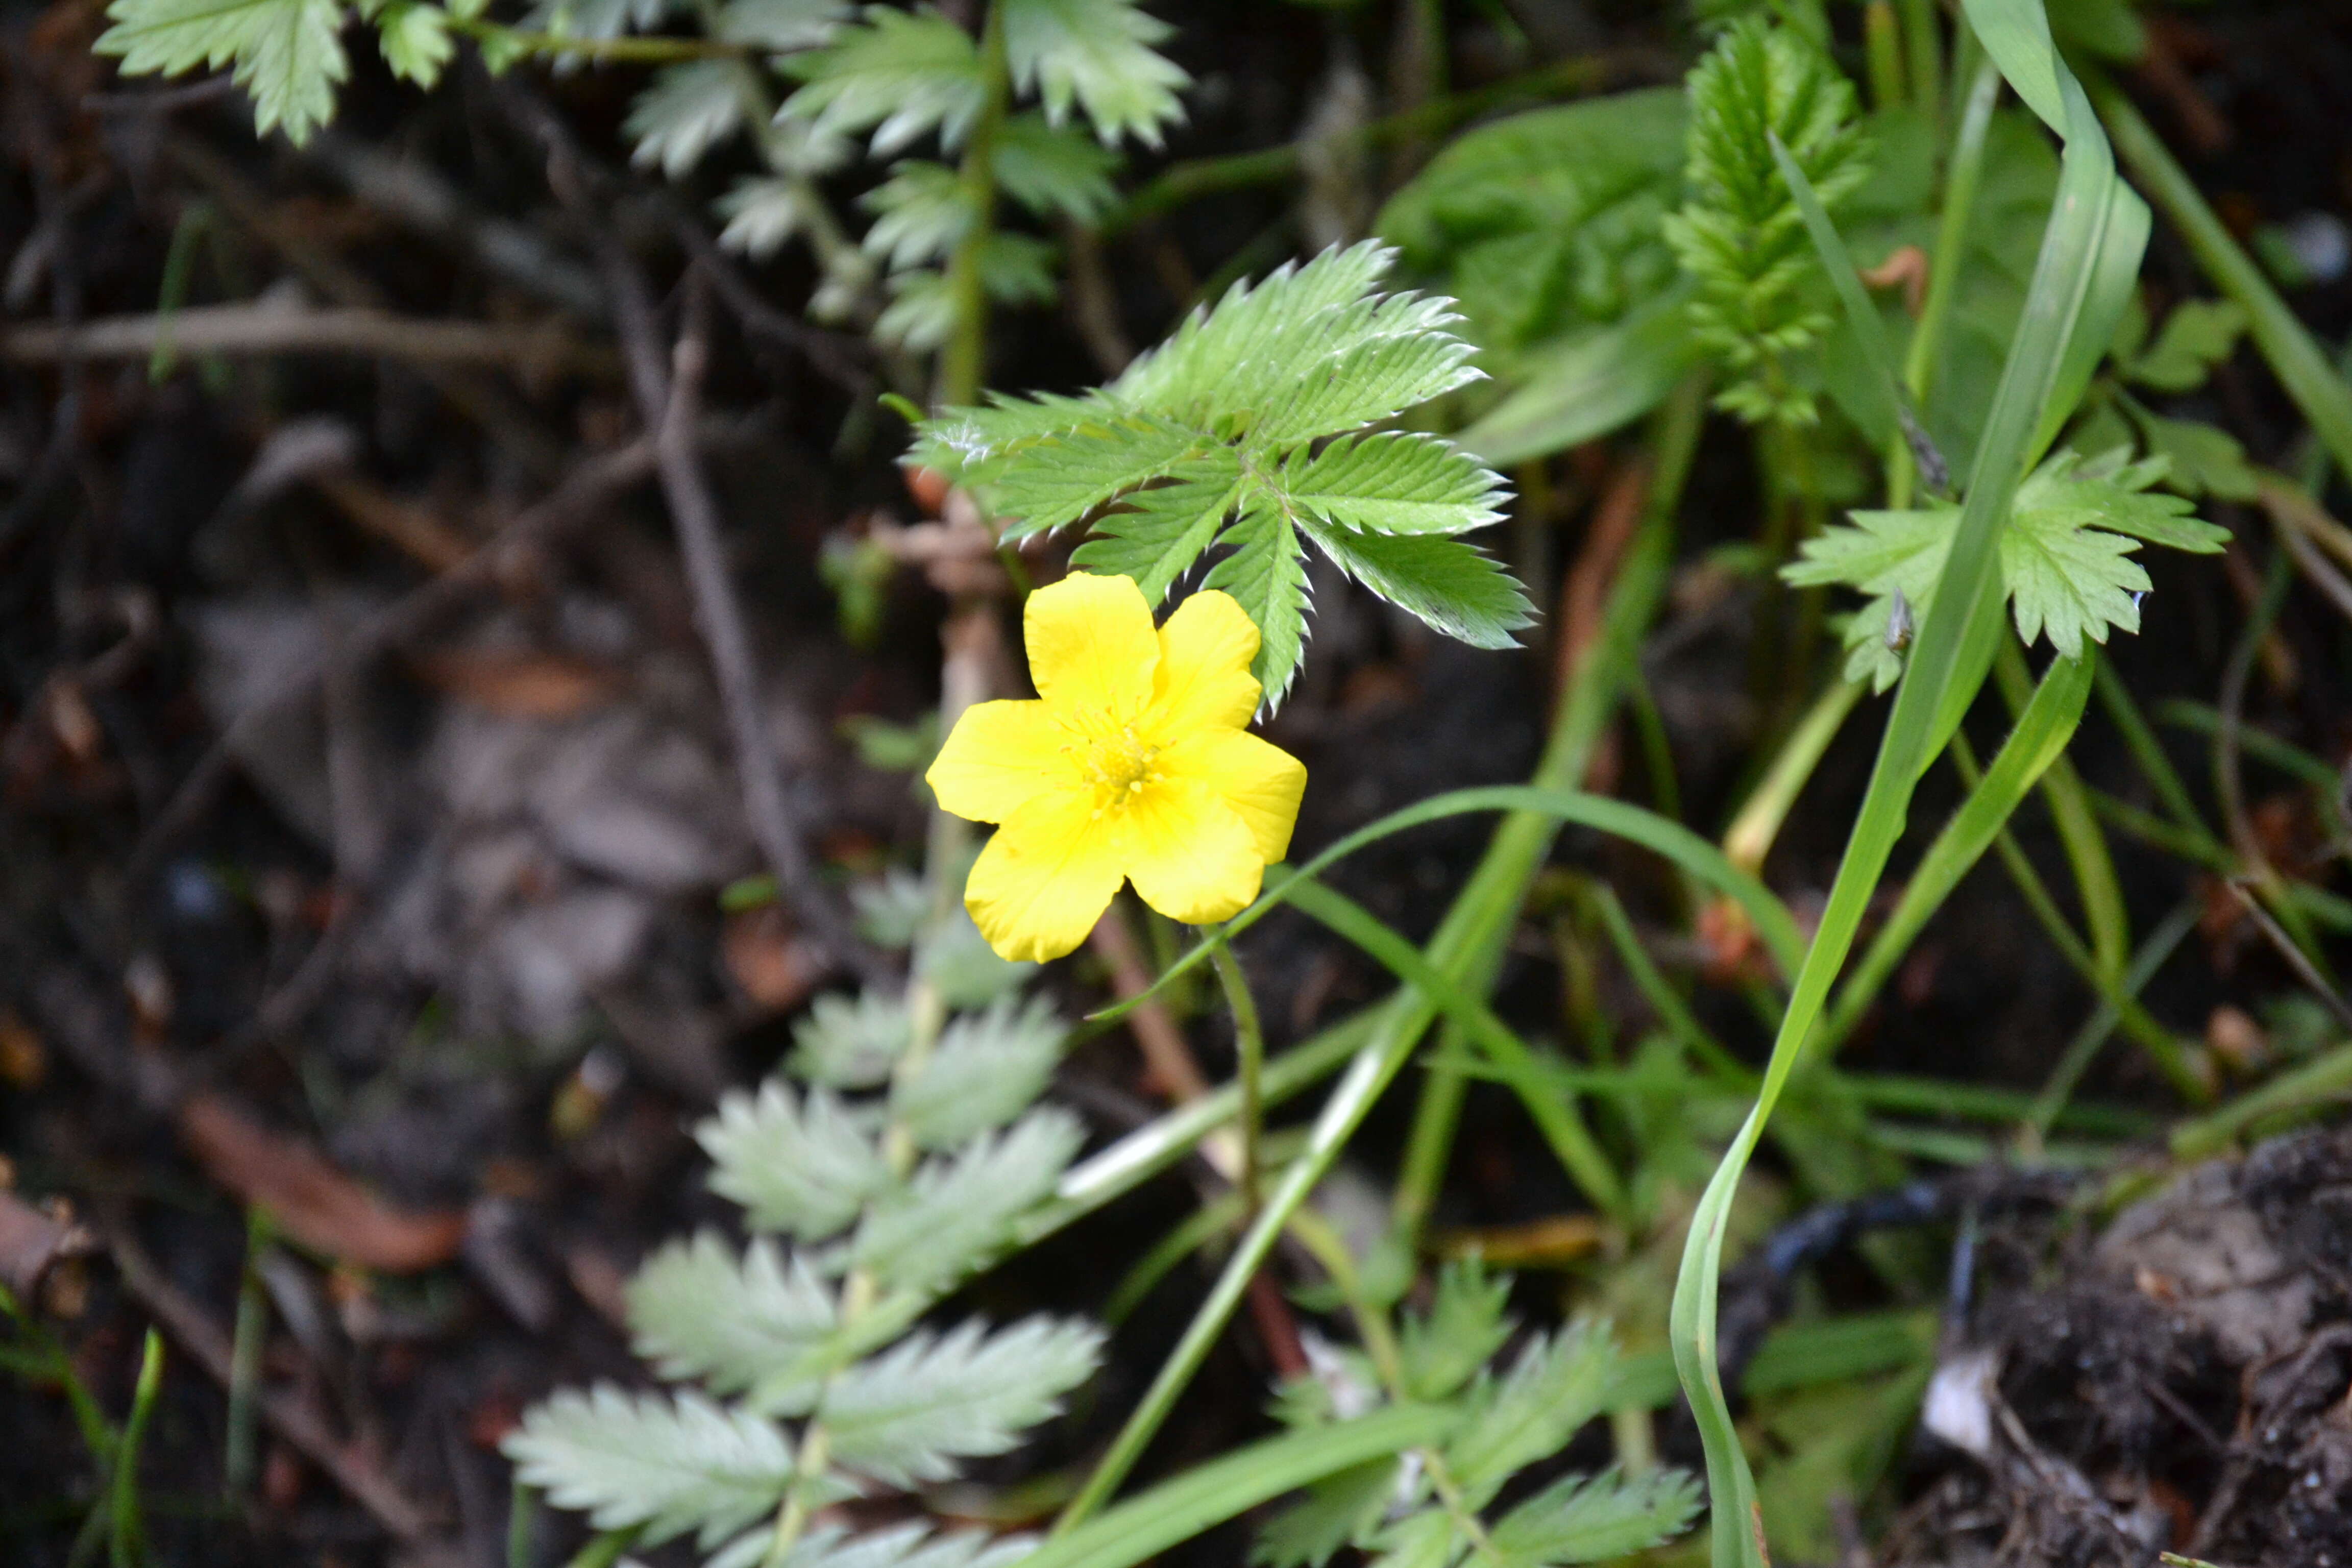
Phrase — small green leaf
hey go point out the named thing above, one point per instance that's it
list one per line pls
(2204, 459)
(754, 1324)
(850, 1044)
(1050, 171)
(1157, 535)
(415, 41)
(802, 1166)
(779, 25)
(669, 1467)
(1447, 584)
(900, 74)
(921, 214)
(959, 1210)
(2197, 336)
(987, 1069)
(1557, 1384)
(1394, 482)
(907, 1415)
(1338, 1511)
(288, 54)
(1588, 1519)
(687, 111)
(1268, 576)
(1098, 55)
(1464, 1326)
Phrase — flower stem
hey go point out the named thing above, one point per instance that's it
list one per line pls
(1249, 1045)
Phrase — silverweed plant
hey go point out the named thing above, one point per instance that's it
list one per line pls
(1971, 444)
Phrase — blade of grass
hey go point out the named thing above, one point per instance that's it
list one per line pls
(1749, 839)
(244, 1356)
(127, 1528)
(2044, 726)
(2147, 751)
(2322, 1079)
(1190, 1235)
(2094, 867)
(1941, 679)
(2052, 1102)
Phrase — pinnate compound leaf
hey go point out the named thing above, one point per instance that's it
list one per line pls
(754, 1323)
(1088, 467)
(898, 73)
(669, 1466)
(1448, 586)
(921, 215)
(907, 1415)
(803, 1166)
(1464, 1326)
(1556, 1384)
(1098, 55)
(1395, 482)
(288, 54)
(1588, 1518)
(987, 1069)
(846, 1043)
(958, 1208)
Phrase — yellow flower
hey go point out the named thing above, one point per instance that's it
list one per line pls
(1133, 764)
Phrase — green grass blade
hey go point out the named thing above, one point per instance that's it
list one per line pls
(1887, 404)
(1952, 653)
(1572, 1143)
(1636, 824)
(2042, 730)
(1224, 1488)
(127, 1527)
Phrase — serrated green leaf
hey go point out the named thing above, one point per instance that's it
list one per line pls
(1448, 586)
(1338, 1511)
(688, 110)
(762, 211)
(1465, 1324)
(2202, 459)
(2070, 581)
(1395, 481)
(415, 41)
(1090, 466)
(803, 1166)
(900, 74)
(1424, 1540)
(892, 910)
(1266, 574)
(1051, 171)
(987, 1069)
(1558, 1382)
(921, 214)
(1393, 353)
(754, 1324)
(1581, 1518)
(779, 25)
(2197, 336)
(908, 1414)
(1098, 55)
(958, 1209)
(669, 1466)
(288, 54)
(595, 18)
(1157, 535)
(1014, 270)
(850, 1043)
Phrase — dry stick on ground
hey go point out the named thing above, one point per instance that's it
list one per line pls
(667, 398)
(587, 485)
(269, 328)
(194, 1329)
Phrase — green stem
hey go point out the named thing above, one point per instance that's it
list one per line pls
(127, 1533)
(1964, 178)
(515, 43)
(2078, 830)
(1749, 837)
(2075, 1060)
(245, 1355)
(2147, 751)
(1249, 1048)
(1466, 948)
(964, 362)
(1924, 46)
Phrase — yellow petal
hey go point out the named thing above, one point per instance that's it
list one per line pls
(1190, 855)
(1204, 658)
(1091, 646)
(1257, 778)
(998, 758)
(1044, 879)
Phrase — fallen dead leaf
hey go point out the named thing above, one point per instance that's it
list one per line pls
(522, 685)
(313, 1202)
(772, 968)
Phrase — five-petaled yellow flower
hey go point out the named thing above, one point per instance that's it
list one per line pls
(1133, 764)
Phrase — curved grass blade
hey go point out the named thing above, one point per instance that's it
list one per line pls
(1661, 835)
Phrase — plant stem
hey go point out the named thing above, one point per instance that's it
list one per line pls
(1962, 180)
(516, 42)
(1249, 1047)
(245, 1355)
(1749, 837)
(2078, 830)
(127, 1533)
(964, 362)
(2077, 1057)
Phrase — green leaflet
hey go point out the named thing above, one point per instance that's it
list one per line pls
(1246, 429)
(2064, 555)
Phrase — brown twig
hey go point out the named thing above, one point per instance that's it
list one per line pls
(1173, 1071)
(193, 1329)
(266, 328)
(837, 356)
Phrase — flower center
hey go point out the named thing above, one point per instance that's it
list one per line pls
(1115, 767)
